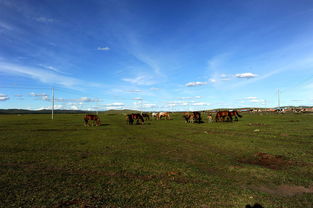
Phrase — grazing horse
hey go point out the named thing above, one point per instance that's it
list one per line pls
(135, 116)
(155, 115)
(188, 117)
(164, 114)
(129, 119)
(93, 118)
(222, 115)
(234, 113)
(146, 116)
(197, 116)
(228, 115)
(192, 117)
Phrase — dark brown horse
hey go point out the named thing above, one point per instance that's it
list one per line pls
(197, 116)
(223, 116)
(146, 116)
(129, 119)
(234, 113)
(192, 117)
(93, 118)
(227, 116)
(135, 116)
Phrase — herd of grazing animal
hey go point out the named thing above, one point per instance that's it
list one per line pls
(190, 117)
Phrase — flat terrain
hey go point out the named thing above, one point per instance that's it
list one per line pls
(264, 158)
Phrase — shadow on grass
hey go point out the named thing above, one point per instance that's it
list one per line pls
(105, 124)
(256, 205)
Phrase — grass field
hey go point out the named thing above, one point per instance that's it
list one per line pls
(61, 163)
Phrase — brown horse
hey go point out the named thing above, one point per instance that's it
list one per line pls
(234, 113)
(192, 117)
(222, 115)
(166, 115)
(93, 118)
(188, 117)
(135, 116)
(129, 119)
(227, 116)
(145, 116)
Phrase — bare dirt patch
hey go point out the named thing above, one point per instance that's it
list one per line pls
(275, 162)
(71, 203)
(257, 124)
(284, 190)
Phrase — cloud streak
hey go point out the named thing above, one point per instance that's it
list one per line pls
(140, 80)
(44, 20)
(193, 84)
(4, 97)
(42, 75)
(103, 48)
(247, 75)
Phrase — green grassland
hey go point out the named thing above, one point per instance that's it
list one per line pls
(264, 158)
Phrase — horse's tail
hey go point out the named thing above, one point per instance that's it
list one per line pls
(238, 114)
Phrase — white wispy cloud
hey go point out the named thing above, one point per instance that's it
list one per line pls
(103, 48)
(149, 105)
(37, 94)
(43, 96)
(4, 97)
(44, 20)
(212, 80)
(55, 107)
(82, 100)
(246, 75)
(137, 98)
(257, 101)
(192, 84)
(200, 104)
(188, 98)
(251, 98)
(114, 104)
(74, 107)
(134, 91)
(141, 80)
(41, 75)
(114, 108)
(5, 26)
(50, 68)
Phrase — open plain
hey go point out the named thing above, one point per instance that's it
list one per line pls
(263, 158)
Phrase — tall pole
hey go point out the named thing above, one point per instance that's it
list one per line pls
(278, 99)
(52, 104)
(141, 105)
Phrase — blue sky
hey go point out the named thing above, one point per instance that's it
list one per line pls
(155, 55)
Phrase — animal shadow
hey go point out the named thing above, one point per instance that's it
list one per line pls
(104, 124)
(256, 205)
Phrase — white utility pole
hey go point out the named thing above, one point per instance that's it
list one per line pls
(52, 104)
(278, 99)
